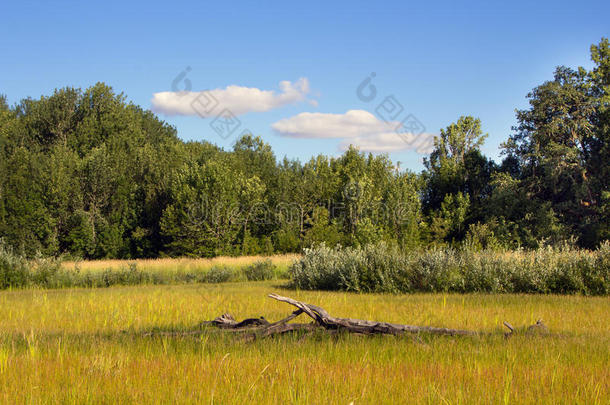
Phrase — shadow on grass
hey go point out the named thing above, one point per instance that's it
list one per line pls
(198, 338)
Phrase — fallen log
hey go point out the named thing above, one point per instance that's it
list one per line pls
(325, 320)
(322, 320)
(254, 328)
(226, 321)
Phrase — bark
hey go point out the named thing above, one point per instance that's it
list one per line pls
(323, 321)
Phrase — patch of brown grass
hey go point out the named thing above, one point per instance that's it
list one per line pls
(179, 264)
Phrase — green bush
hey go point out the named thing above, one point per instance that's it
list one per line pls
(13, 268)
(322, 268)
(47, 273)
(372, 268)
(16, 271)
(379, 268)
(217, 274)
(260, 270)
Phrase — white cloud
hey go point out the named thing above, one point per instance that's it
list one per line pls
(380, 143)
(356, 127)
(237, 99)
(352, 124)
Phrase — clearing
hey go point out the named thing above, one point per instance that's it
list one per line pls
(95, 345)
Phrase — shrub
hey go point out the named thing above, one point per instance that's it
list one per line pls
(320, 269)
(596, 274)
(260, 270)
(16, 271)
(13, 268)
(47, 273)
(378, 268)
(217, 274)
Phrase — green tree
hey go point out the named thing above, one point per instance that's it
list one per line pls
(454, 160)
(321, 229)
(203, 216)
(449, 222)
(561, 145)
(457, 175)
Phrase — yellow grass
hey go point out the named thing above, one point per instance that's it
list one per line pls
(90, 346)
(179, 264)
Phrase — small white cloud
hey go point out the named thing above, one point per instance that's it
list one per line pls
(392, 142)
(380, 143)
(237, 99)
(352, 124)
(356, 127)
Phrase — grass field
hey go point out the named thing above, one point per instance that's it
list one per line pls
(91, 346)
(170, 267)
(179, 264)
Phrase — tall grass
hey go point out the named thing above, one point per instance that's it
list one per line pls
(94, 346)
(380, 268)
(19, 272)
(179, 264)
(373, 268)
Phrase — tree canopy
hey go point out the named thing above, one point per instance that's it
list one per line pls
(86, 174)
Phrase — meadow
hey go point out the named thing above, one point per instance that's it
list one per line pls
(177, 265)
(110, 345)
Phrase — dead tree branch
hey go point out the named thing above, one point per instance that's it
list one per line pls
(322, 320)
(325, 320)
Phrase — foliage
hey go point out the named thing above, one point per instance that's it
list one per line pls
(86, 174)
(217, 274)
(17, 272)
(260, 270)
(384, 269)
(561, 149)
(13, 268)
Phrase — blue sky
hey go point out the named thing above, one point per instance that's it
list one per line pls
(439, 60)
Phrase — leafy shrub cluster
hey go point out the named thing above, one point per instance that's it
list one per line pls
(17, 272)
(379, 268)
(260, 270)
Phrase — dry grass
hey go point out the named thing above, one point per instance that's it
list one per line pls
(179, 264)
(88, 346)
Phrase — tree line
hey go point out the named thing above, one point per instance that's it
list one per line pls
(85, 174)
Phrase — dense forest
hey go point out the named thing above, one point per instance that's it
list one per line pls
(85, 174)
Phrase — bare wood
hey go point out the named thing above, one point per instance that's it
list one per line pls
(539, 328)
(324, 319)
(227, 321)
(316, 313)
(288, 327)
(288, 318)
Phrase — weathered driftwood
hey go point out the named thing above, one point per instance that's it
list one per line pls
(324, 321)
(539, 328)
(226, 321)
(253, 328)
